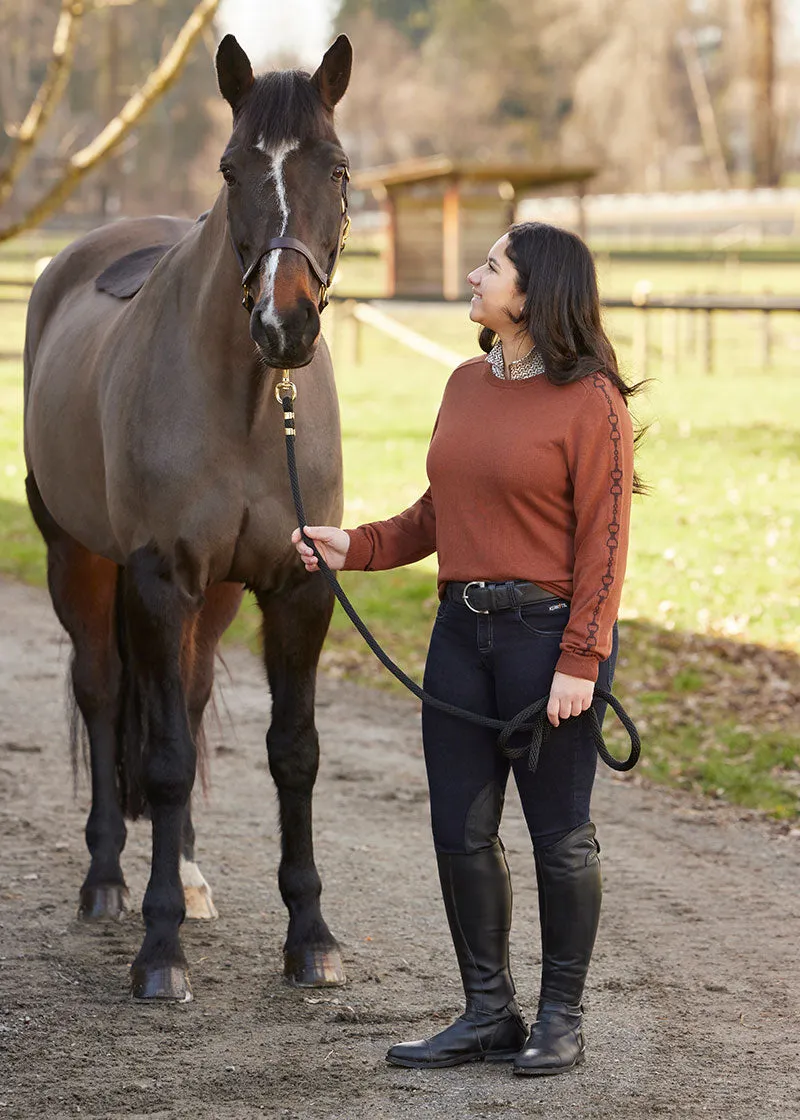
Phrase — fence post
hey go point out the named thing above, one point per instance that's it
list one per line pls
(352, 330)
(334, 310)
(641, 341)
(358, 342)
(733, 272)
(603, 265)
(766, 334)
(708, 341)
(691, 328)
(676, 342)
(670, 339)
(766, 338)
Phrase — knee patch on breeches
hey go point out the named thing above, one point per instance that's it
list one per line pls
(483, 818)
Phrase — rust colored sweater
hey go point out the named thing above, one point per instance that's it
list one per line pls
(528, 480)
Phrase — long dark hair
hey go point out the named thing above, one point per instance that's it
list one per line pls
(555, 270)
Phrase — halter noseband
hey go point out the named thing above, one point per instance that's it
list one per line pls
(325, 278)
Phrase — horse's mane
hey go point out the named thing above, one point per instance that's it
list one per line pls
(283, 106)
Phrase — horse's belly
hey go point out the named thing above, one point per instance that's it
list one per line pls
(63, 443)
(80, 512)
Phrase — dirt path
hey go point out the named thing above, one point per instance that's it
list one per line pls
(693, 1006)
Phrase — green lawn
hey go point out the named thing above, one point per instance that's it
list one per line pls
(711, 612)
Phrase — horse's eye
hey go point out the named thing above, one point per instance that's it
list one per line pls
(228, 176)
(338, 173)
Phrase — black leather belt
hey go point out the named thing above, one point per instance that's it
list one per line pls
(483, 597)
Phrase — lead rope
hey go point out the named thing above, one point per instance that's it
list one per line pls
(532, 719)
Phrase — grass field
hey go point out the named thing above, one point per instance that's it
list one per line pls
(711, 612)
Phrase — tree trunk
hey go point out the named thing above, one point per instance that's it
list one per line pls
(759, 15)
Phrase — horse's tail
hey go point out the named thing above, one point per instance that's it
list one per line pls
(47, 526)
(131, 718)
(78, 735)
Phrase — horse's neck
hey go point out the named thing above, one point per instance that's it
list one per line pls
(219, 323)
(212, 265)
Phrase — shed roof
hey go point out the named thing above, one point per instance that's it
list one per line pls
(519, 174)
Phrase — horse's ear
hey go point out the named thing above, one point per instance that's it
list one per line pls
(234, 72)
(333, 75)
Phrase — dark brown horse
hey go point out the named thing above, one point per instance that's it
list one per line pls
(157, 477)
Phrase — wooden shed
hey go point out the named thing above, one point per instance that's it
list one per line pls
(444, 214)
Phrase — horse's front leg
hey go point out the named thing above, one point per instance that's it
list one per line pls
(295, 623)
(158, 617)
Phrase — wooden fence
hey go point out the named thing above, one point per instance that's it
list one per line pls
(699, 312)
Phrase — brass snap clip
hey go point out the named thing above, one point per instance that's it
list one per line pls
(285, 388)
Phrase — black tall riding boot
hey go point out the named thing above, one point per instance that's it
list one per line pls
(476, 889)
(570, 890)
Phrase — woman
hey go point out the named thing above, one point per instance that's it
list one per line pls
(531, 474)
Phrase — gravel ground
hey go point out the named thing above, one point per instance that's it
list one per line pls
(693, 1005)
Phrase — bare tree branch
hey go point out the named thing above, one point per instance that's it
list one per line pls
(156, 85)
(705, 110)
(48, 95)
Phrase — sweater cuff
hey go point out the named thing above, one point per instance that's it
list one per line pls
(573, 665)
(359, 554)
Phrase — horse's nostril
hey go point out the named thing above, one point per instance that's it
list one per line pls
(312, 324)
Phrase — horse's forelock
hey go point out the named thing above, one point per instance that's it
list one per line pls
(281, 107)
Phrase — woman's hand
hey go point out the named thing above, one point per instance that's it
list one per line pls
(332, 543)
(569, 696)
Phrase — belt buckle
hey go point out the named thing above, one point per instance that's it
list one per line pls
(473, 583)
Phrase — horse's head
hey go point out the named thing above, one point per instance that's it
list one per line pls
(286, 179)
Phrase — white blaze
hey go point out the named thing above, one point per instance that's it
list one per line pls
(269, 267)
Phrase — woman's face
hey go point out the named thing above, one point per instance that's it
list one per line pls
(495, 291)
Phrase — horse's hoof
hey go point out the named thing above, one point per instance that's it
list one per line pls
(103, 903)
(197, 895)
(313, 968)
(164, 982)
(199, 903)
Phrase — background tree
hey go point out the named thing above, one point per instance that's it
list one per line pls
(760, 18)
(23, 139)
(118, 76)
(600, 81)
(411, 18)
(603, 81)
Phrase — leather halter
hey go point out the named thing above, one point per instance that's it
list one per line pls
(325, 278)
